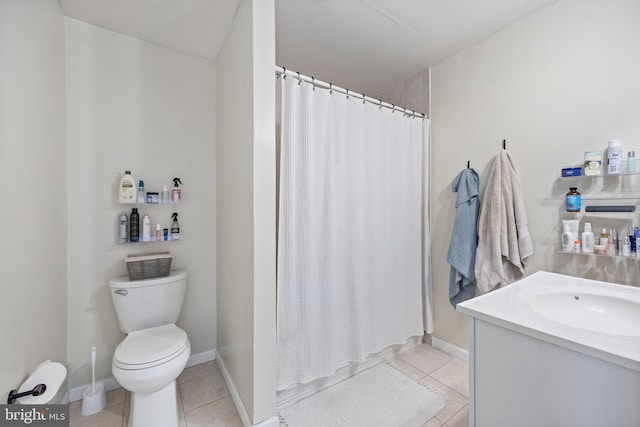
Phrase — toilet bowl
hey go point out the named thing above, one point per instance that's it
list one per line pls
(147, 364)
(155, 351)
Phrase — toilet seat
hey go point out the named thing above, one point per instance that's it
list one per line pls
(150, 347)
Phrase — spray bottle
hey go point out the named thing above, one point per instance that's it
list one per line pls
(176, 193)
(175, 227)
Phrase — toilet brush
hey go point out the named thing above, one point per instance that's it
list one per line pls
(94, 398)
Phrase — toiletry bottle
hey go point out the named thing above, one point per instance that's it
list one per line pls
(610, 249)
(146, 228)
(165, 196)
(175, 227)
(567, 241)
(123, 235)
(632, 242)
(587, 239)
(141, 194)
(176, 193)
(127, 189)
(626, 247)
(158, 233)
(573, 200)
(631, 162)
(604, 237)
(134, 226)
(614, 157)
(576, 246)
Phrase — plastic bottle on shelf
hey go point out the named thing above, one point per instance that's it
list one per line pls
(134, 226)
(127, 189)
(604, 237)
(141, 194)
(175, 227)
(176, 193)
(573, 200)
(587, 239)
(567, 241)
(614, 157)
(631, 162)
(626, 246)
(146, 228)
(158, 233)
(123, 235)
(164, 198)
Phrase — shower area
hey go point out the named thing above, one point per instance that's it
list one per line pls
(353, 279)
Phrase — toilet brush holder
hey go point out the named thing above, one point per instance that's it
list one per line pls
(94, 398)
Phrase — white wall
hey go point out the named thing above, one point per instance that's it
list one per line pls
(134, 105)
(558, 83)
(32, 169)
(245, 170)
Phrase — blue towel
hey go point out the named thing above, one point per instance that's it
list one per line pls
(464, 239)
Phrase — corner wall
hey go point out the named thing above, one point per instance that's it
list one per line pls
(560, 82)
(245, 176)
(33, 258)
(133, 105)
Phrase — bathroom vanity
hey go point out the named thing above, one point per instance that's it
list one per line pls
(554, 350)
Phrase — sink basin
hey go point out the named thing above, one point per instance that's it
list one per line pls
(594, 312)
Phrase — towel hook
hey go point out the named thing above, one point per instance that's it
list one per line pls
(468, 164)
(504, 144)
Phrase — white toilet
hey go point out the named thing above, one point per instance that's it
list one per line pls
(155, 350)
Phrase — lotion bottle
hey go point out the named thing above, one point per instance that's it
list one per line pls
(587, 239)
(126, 189)
(146, 228)
(567, 240)
(123, 235)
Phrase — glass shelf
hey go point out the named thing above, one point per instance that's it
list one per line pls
(602, 175)
(632, 256)
(152, 241)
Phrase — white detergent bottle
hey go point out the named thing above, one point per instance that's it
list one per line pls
(146, 228)
(127, 189)
(587, 239)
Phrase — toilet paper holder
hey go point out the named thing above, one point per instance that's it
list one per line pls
(37, 391)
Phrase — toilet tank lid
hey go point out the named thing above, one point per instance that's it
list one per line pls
(124, 282)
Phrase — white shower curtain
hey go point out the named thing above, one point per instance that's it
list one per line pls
(350, 244)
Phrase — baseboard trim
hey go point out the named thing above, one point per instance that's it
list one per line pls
(453, 350)
(110, 383)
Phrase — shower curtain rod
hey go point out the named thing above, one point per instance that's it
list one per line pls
(281, 71)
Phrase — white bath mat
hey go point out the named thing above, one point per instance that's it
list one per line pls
(380, 396)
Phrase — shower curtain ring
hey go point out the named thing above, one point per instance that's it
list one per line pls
(284, 73)
(347, 93)
(313, 82)
(380, 104)
(330, 88)
(393, 108)
(299, 81)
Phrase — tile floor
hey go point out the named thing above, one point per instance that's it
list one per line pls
(204, 401)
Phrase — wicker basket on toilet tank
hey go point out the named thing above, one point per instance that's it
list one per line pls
(148, 266)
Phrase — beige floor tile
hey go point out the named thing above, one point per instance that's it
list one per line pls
(203, 390)
(455, 374)
(437, 350)
(461, 419)
(425, 359)
(197, 371)
(433, 422)
(414, 372)
(108, 417)
(221, 413)
(114, 398)
(454, 400)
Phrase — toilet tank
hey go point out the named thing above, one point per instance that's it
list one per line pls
(142, 304)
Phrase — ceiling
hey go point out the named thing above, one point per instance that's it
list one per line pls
(359, 44)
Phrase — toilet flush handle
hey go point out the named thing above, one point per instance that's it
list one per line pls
(122, 292)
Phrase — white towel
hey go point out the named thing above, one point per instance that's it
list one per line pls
(504, 242)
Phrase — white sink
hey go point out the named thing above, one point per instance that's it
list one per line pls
(595, 312)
